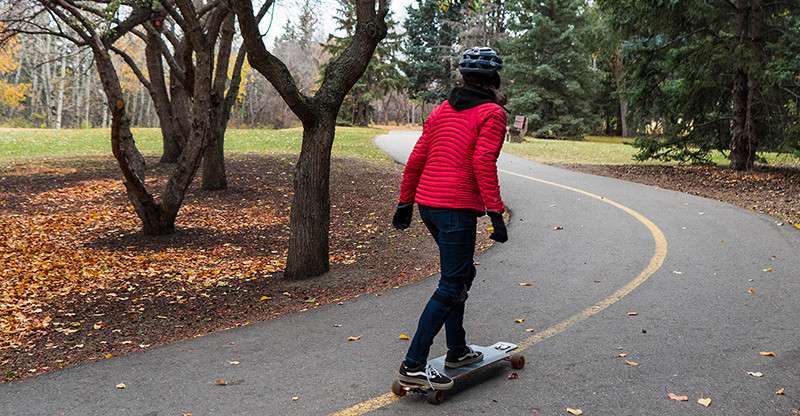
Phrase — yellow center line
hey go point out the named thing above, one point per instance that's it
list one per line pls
(660, 253)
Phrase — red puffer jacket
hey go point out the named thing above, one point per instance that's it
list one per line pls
(454, 163)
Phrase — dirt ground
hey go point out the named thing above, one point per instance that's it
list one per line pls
(79, 282)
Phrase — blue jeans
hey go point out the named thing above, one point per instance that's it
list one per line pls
(454, 232)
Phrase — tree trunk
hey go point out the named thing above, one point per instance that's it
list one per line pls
(156, 218)
(755, 98)
(47, 82)
(214, 176)
(60, 100)
(87, 99)
(740, 146)
(171, 137)
(617, 71)
(180, 99)
(360, 113)
(310, 215)
(743, 146)
(130, 161)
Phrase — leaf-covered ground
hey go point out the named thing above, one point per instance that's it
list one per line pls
(78, 281)
(774, 190)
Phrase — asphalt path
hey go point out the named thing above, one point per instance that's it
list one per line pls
(692, 290)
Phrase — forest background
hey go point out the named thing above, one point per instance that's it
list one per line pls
(665, 74)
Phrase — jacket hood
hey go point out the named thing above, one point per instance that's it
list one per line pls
(464, 98)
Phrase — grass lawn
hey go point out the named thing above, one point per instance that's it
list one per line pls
(599, 150)
(21, 144)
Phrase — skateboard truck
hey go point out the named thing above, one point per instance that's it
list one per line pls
(491, 355)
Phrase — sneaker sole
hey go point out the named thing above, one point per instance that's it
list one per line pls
(424, 383)
(449, 364)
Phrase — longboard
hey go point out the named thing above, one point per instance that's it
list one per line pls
(492, 354)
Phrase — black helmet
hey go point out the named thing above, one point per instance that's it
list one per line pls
(480, 61)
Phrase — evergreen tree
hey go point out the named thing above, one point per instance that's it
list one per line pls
(382, 75)
(713, 75)
(431, 48)
(552, 81)
(608, 64)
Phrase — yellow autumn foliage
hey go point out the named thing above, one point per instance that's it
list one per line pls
(11, 95)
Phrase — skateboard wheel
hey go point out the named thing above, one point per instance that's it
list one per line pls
(518, 361)
(435, 396)
(398, 389)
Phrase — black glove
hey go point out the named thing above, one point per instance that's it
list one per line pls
(500, 234)
(402, 218)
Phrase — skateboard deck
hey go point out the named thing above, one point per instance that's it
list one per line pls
(500, 351)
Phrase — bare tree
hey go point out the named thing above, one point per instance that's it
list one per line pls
(310, 215)
(98, 28)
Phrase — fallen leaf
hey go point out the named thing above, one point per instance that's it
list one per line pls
(633, 313)
(354, 338)
(311, 300)
(755, 374)
(768, 270)
(705, 402)
(676, 272)
(530, 330)
(525, 284)
(631, 363)
(767, 354)
(221, 383)
(404, 336)
(574, 411)
(266, 298)
(519, 321)
(121, 385)
(126, 342)
(678, 398)
(513, 375)
(234, 362)
(294, 399)
(558, 228)
(337, 325)
(623, 355)
(98, 325)
(752, 291)
(780, 392)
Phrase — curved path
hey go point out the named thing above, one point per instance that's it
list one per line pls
(594, 250)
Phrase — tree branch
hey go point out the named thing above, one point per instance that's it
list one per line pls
(132, 65)
(267, 64)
